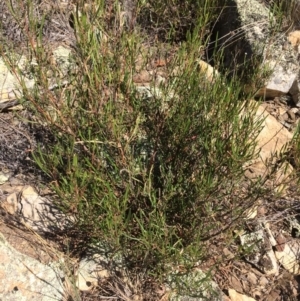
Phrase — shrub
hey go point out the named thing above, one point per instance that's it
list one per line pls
(156, 174)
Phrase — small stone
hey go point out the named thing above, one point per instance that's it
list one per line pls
(295, 110)
(289, 257)
(257, 295)
(210, 72)
(49, 73)
(235, 296)
(3, 178)
(246, 286)
(39, 213)
(263, 281)
(283, 118)
(228, 254)
(287, 125)
(11, 204)
(269, 263)
(291, 115)
(251, 213)
(294, 38)
(235, 283)
(281, 240)
(271, 139)
(88, 273)
(274, 296)
(142, 77)
(262, 255)
(252, 278)
(262, 211)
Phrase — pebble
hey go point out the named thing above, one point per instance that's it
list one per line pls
(263, 281)
(252, 278)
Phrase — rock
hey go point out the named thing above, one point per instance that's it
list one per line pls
(274, 296)
(235, 296)
(257, 295)
(263, 281)
(100, 263)
(208, 71)
(273, 136)
(39, 213)
(294, 226)
(11, 204)
(281, 82)
(235, 37)
(246, 34)
(251, 213)
(10, 84)
(262, 211)
(252, 278)
(235, 283)
(228, 255)
(23, 278)
(261, 254)
(35, 212)
(3, 178)
(61, 59)
(294, 38)
(288, 253)
(279, 57)
(271, 140)
(89, 272)
(194, 286)
(282, 178)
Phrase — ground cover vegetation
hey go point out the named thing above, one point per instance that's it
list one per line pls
(157, 178)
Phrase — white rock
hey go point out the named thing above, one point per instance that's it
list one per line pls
(208, 71)
(203, 288)
(11, 203)
(263, 281)
(89, 272)
(23, 278)
(3, 178)
(262, 255)
(235, 296)
(36, 212)
(289, 257)
(247, 7)
(281, 81)
(62, 59)
(251, 33)
(10, 83)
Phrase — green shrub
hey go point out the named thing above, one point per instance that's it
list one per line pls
(156, 175)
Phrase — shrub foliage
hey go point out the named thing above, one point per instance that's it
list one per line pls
(154, 172)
